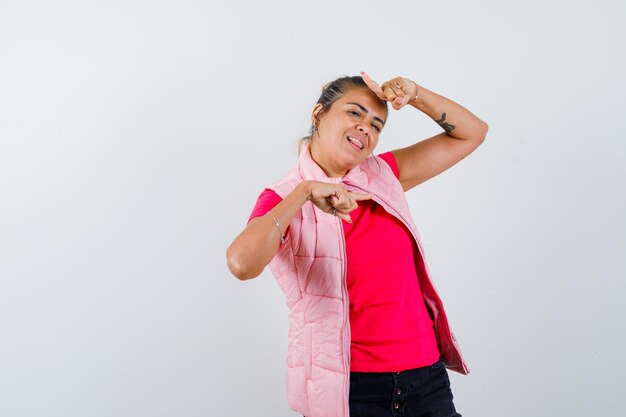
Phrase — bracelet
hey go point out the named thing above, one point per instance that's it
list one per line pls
(282, 236)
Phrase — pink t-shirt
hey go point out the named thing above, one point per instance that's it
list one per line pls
(390, 325)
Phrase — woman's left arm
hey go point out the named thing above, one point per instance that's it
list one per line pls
(463, 131)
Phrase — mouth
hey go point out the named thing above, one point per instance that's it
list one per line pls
(356, 142)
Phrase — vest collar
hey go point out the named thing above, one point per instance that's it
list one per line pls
(310, 170)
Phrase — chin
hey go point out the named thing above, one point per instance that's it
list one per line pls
(355, 163)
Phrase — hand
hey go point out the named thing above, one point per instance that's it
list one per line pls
(328, 196)
(399, 91)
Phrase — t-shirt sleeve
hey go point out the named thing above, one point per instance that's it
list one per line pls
(391, 161)
(267, 200)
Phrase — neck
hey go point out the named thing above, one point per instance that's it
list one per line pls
(330, 172)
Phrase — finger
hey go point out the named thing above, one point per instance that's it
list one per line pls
(390, 94)
(397, 88)
(323, 205)
(372, 85)
(345, 206)
(361, 197)
(346, 217)
(401, 101)
(346, 202)
(407, 94)
(338, 200)
(341, 215)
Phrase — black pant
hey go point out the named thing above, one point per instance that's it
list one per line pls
(419, 392)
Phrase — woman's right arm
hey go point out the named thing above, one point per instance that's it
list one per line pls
(255, 247)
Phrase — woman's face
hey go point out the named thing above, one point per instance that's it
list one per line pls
(358, 116)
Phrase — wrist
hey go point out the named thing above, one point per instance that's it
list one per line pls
(424, 102)
(305, 190)
(418, 93)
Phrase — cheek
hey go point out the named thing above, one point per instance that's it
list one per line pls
(335, 125)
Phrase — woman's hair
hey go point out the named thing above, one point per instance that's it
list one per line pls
(332, 92)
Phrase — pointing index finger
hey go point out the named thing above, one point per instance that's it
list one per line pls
(373, 86)
(360, 197)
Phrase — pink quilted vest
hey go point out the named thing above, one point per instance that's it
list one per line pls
(310, 269)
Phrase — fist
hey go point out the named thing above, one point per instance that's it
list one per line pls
(399, 91)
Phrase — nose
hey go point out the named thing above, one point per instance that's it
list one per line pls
(362, 129)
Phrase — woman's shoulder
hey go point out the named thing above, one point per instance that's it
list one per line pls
(391, 161)
(266, 201)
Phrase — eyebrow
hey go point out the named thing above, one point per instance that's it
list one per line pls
(367, 111)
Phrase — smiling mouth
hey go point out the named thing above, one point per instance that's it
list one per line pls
(355, 142)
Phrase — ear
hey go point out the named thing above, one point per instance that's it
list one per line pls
(314, 113)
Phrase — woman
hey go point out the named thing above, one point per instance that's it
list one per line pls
(368, 335)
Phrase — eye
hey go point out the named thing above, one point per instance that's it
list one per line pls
(356, 113)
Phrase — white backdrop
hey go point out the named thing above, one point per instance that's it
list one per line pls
(135, 138)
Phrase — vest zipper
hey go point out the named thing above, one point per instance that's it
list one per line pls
(346, 322)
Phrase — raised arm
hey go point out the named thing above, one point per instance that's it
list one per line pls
(463, 131)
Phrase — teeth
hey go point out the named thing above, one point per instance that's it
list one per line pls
(358, 142)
